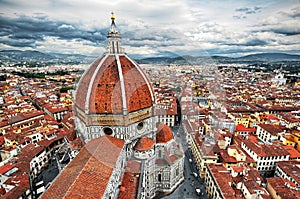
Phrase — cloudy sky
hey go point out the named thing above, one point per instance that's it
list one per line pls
(153, 27)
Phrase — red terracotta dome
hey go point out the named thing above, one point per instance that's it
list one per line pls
(164, 133)
(144, 144)
(114, 83)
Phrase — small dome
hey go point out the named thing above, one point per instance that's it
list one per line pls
(144, 144)
(164, 133)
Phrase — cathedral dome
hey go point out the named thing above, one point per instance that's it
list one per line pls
(164, 133)
(114, 84)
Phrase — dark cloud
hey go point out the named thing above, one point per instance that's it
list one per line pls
(284, 28)
(256, 42)
(28, 30)
(242, 9)
(248, 10)
(243, 12)
(249, 42)
(239, 17)
(154, 38)
(19, 43)
(286, 31)
(294, 13)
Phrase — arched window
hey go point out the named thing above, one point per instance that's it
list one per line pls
(140, 126)
(108, 131)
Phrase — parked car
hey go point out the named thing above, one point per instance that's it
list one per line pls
(195, 174)
(198, 191)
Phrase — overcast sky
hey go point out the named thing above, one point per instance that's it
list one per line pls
(152, 28)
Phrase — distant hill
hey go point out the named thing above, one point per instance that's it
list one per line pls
(36, 56)
(262, 57)
(18, 55)
(14, 56)
(271, 57)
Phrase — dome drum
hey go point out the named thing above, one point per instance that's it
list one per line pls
(144, 148)
(113, 120)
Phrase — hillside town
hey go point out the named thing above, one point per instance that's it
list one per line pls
(240, 127)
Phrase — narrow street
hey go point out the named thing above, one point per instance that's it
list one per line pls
(187, 190)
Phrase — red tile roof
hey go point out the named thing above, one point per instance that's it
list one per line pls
(144, 144)
(55, 108)
(292, 151)
(292, 168)
(83, 85)
(18, 191)
(264, 150)
(88, 174)
(242, 128)
(271, 128)
(29, 152)
(223, 179)
(164, 133)
(106, 95)
(133, 167)
(282, 188)
(253, 187)
(129, 187)
(24, 116)
(5, 168)
(130, 181)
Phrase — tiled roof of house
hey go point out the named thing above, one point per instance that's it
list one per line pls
(88, 174)
(292, 151)
(272, 129)
(253, 187)
(222, 178)
(5, 168)
(283, 188)
(18, 190)
(264, 150)
(242, 128)
(292, 168)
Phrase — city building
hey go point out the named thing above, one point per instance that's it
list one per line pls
(204, 150)
(218, 182)
(269, 133)
(281, 188)
(289, 170)
(265, 155)
(279, 79)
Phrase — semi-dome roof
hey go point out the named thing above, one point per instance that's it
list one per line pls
(144, 144)
(114, 83)
(164, 133)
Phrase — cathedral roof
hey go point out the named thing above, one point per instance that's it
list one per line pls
(114, 83)
(88, 174)
(164, 133)
(144, 144)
